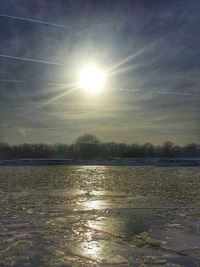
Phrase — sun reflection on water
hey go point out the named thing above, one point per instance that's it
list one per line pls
(94, 205)
(92, 249)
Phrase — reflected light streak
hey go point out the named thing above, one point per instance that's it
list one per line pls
(94, 205)
(92, 250)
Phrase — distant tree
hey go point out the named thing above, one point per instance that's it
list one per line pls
(60, 151)
(123, 150)
(148, 150)
(88, 139)
(111, 149)
(87, 146)
(192, 150)
(136, 151)
(167, 149)
(5, 151)
(177, 151)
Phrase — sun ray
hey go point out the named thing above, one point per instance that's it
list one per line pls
(133, 55)
(71, 90)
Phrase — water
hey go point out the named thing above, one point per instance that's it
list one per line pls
(99, 216)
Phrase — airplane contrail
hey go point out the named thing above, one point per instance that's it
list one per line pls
(33, 20)
(32, 60)
(159, 92)
(12, 81)
(38, 81)
(176, 93)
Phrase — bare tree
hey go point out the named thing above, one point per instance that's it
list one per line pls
(167, 149)
(87, 146)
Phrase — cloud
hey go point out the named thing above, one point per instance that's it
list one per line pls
(22, 132)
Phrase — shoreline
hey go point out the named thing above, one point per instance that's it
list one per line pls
(159, 162)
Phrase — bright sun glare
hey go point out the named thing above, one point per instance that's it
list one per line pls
(92, 79)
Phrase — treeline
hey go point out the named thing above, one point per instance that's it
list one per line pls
(88, 146)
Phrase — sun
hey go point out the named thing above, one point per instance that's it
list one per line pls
(92, 79)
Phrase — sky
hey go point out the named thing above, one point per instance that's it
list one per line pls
(150, 50)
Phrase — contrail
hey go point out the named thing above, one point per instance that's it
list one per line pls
(38, 81)
(12, 81)
(158, 92)
(65, 84)
(32, 60)
(33, 20)
(176, 93)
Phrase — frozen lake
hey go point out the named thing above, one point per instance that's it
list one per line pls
(99, 216)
